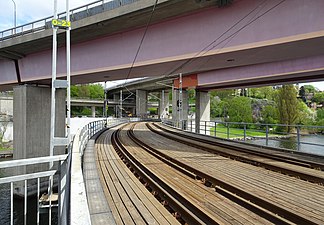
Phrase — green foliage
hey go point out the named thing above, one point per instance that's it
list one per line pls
(320, 114)
(92, 91)
(262, 92)
(192, 96)
(74, 91)
(309, 88)
(153, 111)
(305, 114)
(240, 110)
(222, 94)
(319, 97)
(96, 91)
(217, 108)
(270, 114)
(287, 105)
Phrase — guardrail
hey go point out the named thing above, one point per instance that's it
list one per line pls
(61, 174)
(67, 174)
(249, 132)
(75, 14)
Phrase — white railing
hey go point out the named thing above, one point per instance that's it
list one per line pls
(79, 213)
(37, 178)
(75, 14)
(67, 173)
(249, 132)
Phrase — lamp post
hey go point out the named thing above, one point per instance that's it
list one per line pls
(15, 16)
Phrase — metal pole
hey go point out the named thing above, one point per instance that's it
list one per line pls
(205, 127)
(121, 103)
(180, 99)
(163, 106)
(68, 73)
(215, 128)
(244, 132)
(15, 16)
(54, 55)
(298, 138)
(267, 135)
(227, 125)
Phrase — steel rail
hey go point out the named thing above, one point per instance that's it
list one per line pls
(188, 211)
(230, 191)
(184, 167)
(304, 176)
(291, 160)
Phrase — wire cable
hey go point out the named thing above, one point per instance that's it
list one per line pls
(229, 37)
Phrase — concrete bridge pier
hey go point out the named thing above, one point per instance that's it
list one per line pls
(202, 111)
(93, 111)
(180, 109)
(164, 105)
(32, 122)
(141, 103)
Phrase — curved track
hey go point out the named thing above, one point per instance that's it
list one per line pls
(184, 178)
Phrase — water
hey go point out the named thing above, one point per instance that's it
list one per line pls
(291, 143)
(18, 210)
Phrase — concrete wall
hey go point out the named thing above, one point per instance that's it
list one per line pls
(164, 104)
(141, 103)
(6, 106)
(202, 110)
(177, 111)
(32, 118)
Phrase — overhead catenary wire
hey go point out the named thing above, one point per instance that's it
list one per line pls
(142, 40)
(203, 52)
(139, 48)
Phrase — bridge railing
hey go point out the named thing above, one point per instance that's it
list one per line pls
(35, 182)
(79, 213)
(67, 176)
(75, 14)
(276, 135)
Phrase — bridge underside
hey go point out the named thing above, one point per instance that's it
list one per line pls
(273, 44)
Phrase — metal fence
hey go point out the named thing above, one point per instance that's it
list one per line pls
(61, 173)
(250, 132)
(71, 206)
(75, 14)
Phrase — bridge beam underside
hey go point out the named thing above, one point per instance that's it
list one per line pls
(281, 34)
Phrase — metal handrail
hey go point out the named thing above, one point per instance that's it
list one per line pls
(210, 128)
(42, 24)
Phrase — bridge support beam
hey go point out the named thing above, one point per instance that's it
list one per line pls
(164, 105)
(32, 123)
(202, 112)
(141, 103)
(180, 110)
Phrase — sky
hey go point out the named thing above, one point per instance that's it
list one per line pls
(32, 10)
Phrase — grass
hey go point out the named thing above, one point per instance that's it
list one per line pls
(221, 132)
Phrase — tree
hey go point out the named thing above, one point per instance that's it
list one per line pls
(287, 104)
(319, 97)
(262, 92)
(96, 91)
(270, 114)
(239, 109)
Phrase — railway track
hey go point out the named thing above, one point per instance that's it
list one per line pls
(188, 189)
(277, 161)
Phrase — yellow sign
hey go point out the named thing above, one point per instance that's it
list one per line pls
(61, 23)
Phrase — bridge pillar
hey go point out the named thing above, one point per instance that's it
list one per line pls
(32, 122)
(176, 109)
(202, 112)
(141, 103)
(164, 105)
(93, 111)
